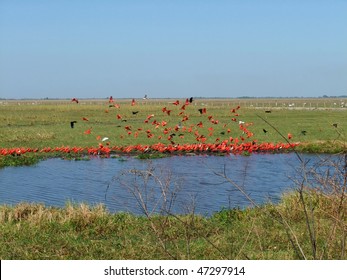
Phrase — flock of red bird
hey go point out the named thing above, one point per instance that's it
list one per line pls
(224, 143)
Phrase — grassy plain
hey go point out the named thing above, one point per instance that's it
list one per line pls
(45, 123)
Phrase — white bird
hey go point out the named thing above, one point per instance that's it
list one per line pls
(104, 139)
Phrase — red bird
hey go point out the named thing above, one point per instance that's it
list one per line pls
(74, 100)
(85, 119)
(133, 102)
(176, 102)
(199, 124)
(290, 136)
(110, 100)
(88, 131)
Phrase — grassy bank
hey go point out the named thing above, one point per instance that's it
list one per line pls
(80, 232)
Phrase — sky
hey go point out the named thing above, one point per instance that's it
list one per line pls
(172, 48)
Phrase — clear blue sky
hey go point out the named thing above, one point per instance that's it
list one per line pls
(176, 48)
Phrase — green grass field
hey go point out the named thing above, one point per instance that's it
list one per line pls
(46, 123)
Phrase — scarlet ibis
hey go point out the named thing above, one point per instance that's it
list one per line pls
(85, 119)
(74, 100)
(290, 136)
(88, 131)
(176, 102)
(72, 124)
(133, 102)
(111, 99)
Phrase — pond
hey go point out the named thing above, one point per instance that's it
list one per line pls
(178, 184)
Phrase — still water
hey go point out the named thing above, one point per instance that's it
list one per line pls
(177, 184)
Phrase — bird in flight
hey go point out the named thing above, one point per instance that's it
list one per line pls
(88, 131)
(72, 124)
(202, 110)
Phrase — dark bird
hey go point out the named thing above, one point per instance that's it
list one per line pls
(135, 112)
(72, 124)
(303, 132)
(265, 131)
(334, 124)
(191, 100)
(268, 111)
(222, 133)
(202, 110)
(145, 97)
(172, 134)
